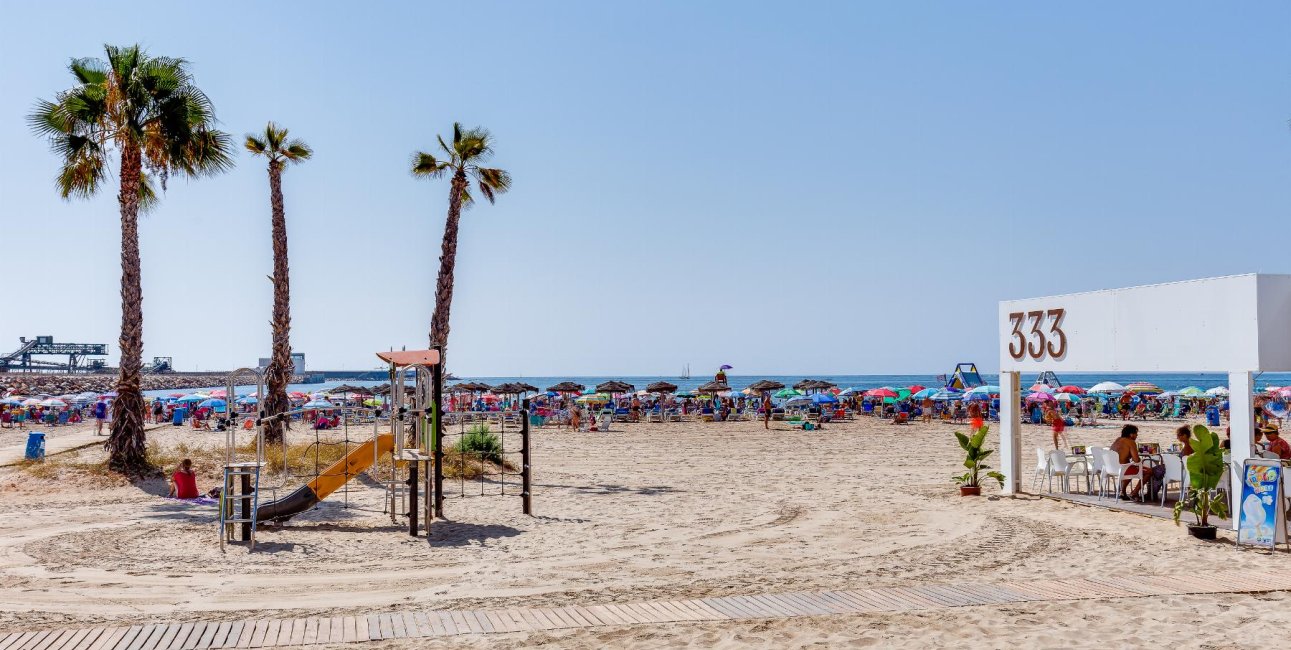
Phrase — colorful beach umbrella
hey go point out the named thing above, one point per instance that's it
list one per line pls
(1107, 387)
(1040, 396)
(824, 398)
(1143, 388)
(1192, 391)
(318, 404)
(988, 389)
(1041, 388)
(783, 393)
(925, 393)
(1218, 391)
(881, 392)
(1072, 390)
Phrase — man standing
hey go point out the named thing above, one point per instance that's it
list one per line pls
(100, 414)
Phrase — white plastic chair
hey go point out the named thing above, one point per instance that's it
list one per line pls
(1041, 467)
(1058, 466)
(1174, 473)
(1113, 468)
(1096, 468)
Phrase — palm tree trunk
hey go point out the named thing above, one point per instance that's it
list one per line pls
(447, 262)
(278, 374)
(126, 446)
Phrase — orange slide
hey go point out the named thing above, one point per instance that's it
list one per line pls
(329, 481)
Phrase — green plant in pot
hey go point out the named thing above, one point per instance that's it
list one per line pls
(1205, 469)
(970, 481)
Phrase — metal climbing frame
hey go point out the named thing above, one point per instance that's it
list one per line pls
(244, 475)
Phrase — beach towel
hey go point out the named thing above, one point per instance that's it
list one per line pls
(199, 501)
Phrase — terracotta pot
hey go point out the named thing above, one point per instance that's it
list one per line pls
(973, 491)
(1202, 532)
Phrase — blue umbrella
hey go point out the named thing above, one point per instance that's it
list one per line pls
(217, 404)
(927, 392)
(318, 404)
(946, 396)
(190, 399)
(824, 398)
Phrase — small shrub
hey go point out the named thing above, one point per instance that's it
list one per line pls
(479, 442)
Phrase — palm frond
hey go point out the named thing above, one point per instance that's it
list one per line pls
(424, 164)
(82, 173)
(473, 145)
(486, 191)
(296, 150)
(89, 70)
(147, 193)
(498, 180)
(207, 153)
(255, 145)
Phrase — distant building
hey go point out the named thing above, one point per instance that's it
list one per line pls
(297, 362)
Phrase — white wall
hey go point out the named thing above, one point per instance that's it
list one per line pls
(1211, 325)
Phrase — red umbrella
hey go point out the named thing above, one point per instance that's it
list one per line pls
(880, 392)
(916, 388)
(1074, 390)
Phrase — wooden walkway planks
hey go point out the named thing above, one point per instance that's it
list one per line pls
(301, 632)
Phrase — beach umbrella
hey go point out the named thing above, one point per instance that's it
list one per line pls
(489, 397)
(12, 401)
(1041, 388)
(213, 403)
(192, 399)
(714, 387)
(1192, 391)
(593, 398)
(765, 384)
(1066, 397)
(109, 394)
(566, 387)
(978, 397)
(372, 402)
(661, 387)
(176, 395)
(1218, 391)
(53, 403)
(925, 393)
(1107, 387)
(726, 366)
(785, 393)
(916, 388)
(1040, 396)
(1072, 390)
(947, 396)
(615, 386)
(31, 401)
(318, 404)
(219, 392)
(881, 392)
(824, 398)
(798, 400)
(249, 399)
(987, 390)
(1143, 388)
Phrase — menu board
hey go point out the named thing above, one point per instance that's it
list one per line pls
(1259, 508)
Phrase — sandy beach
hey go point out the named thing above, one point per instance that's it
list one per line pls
(643, 512)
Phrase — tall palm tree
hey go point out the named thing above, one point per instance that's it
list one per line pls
(146, 109)
(279, 151)
(463, 160)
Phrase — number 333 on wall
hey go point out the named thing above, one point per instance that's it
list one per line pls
(1038, 341)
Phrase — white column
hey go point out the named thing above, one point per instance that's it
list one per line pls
(1241, 423)
(1011, 431)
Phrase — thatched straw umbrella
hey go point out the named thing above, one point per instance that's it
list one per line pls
(567, 387)
(714, 387)
(662, 387)
(765, 385)
(615, 386)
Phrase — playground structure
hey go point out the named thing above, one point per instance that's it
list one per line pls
(21, 360)
(1049, 378)
(965, 377)
(414, 445)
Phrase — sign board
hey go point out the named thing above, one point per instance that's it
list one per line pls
(1234, 323)
(1259, 510)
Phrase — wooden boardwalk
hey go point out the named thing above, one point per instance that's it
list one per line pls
(295, 632)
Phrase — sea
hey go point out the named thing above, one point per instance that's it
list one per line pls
(1167, 381)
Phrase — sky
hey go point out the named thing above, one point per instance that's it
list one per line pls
(812, 187)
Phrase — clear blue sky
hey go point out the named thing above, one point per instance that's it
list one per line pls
(790, 187)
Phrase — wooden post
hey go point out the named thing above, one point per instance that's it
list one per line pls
(437, 431)
(525, 465)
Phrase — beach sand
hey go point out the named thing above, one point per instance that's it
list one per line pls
(646, 511)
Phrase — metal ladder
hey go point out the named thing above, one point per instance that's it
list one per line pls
(228, 517)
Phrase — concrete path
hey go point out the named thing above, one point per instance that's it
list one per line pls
(57, 441)
(276, 632)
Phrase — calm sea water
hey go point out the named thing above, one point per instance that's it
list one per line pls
(1167, 381)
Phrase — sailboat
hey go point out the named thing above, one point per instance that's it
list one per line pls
(685, 372)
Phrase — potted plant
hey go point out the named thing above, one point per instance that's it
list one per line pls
(969, 483)
(1205, 469)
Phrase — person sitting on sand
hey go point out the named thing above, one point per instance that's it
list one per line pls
(1127, 449)
(183, 483)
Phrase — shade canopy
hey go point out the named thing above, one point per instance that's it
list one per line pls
(765, 384)
(662, 387)
(346, 388)
(714, 387)
(567, 387)
(615, 386)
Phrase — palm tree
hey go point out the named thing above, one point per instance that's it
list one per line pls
(470, 149)
(146, 109)
(279, 151)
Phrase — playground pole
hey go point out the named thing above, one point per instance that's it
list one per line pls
(524, 456)
(437, 432)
